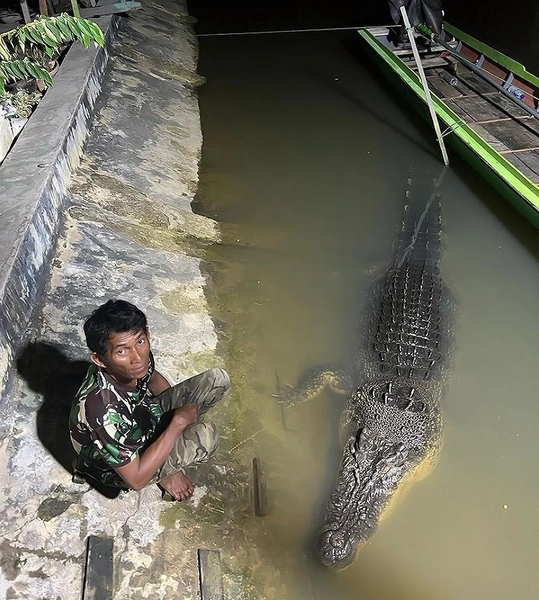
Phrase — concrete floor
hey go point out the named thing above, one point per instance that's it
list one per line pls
(129, 232)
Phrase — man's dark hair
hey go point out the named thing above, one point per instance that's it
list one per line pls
(115, 316)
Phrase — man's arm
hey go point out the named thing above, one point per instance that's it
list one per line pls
(142, 468)
(157, 383)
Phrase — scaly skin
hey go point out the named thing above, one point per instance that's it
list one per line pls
(385, 446)
(392, 426)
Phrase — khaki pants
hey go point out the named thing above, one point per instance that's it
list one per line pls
(199, 441)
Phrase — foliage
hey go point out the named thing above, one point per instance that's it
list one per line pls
(26, 51)
(22, 101)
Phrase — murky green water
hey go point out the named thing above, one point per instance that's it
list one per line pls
(305, 163)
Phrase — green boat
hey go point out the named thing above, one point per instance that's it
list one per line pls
(486, 102)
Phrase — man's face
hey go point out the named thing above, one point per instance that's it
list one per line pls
(128, 356)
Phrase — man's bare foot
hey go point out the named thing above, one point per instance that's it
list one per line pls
(179, 486)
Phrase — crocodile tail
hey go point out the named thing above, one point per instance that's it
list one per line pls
(419, 239)
(409, 326)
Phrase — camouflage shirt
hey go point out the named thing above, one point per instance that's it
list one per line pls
(111, 423)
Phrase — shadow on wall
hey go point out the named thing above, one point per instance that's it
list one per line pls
(50, 373)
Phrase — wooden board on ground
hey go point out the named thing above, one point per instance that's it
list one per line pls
(211, 578)
(427, 63)
(98, 576)
(260, 489)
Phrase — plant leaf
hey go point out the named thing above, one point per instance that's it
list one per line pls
(49, 34)
(85, 39)
(53, 26)
(17, 70)
(22, 40)
(75, 29)
(89, 29)
(4, 52)
(34, 36)
(96, 33)
(33, 70)
(66, 32)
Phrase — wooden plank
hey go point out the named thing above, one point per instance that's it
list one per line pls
(527, 162)
(25, 11)
(481, 109)
(441, 88)
(472, 83)
(490, 138)
(531, 124)
(260, 489)
(43, 8)
(509, 107)
(210, 574)
(406, 50)
(514, 134)
(523, 151)
(428, 63)
(98, 576)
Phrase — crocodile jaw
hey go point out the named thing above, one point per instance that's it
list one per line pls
(371, 469)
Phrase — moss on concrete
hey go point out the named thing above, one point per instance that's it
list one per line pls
(196, 362)
(184, 299)
(53, 507)
(121, 199)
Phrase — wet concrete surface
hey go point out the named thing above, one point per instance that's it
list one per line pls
(129, 233)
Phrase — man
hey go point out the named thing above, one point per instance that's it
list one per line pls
(129, 427)
(429, 12)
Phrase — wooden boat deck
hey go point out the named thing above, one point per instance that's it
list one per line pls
(496, 132)
(503, 124)
(508, 128)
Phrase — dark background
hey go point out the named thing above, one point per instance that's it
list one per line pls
(510, 26)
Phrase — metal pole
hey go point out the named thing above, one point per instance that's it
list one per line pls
(428, 97)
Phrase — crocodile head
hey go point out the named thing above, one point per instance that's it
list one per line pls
(377, 457)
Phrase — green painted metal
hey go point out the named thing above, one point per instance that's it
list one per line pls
(496, 56)
(492, 165)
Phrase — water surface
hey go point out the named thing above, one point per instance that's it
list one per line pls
(305, 165)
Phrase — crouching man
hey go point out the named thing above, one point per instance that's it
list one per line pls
(129, 427)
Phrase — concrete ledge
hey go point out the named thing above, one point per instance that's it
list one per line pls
(33, 183)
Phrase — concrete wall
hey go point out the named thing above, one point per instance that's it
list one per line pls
(33, 182)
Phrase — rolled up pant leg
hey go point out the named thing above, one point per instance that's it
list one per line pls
(199, 441)
(194, 446)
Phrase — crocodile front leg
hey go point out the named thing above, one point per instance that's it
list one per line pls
(313, 383)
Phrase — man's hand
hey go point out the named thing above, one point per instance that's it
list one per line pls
(185, 415)
(140, 470)
(179, 486)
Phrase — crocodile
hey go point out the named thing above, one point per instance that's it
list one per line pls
(392, 426)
